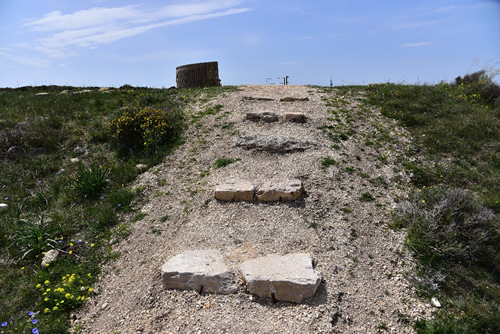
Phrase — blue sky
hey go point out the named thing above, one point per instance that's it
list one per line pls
(141, 42)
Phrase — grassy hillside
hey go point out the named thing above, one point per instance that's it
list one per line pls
(68, 156)
(452, 218)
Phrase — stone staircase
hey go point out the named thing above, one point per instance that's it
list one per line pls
(291, 277)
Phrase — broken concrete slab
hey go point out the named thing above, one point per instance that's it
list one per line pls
(200, 270)
(274, 191)
(253, 116)
(235, 190)
(293, 99)
(267, 117)
(273, 144)
(289, 277)
(251, 98)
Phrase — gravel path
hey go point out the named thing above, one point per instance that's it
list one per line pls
(365, 288)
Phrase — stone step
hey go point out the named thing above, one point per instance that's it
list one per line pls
(290, 277)
(287, 278)
(272, 191)
(267, 117)
(269, 191)
(200, 270)
(273, 144)
(235, 190)
(294, 117)
(270, 117)
(294, 99)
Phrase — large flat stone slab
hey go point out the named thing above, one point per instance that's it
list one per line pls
(200, 270)
(273, 144)
(287, 278)
(274, 191)
(235, 190)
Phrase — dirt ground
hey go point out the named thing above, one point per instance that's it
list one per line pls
(341, 219)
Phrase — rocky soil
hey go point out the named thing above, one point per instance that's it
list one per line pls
(341, 220)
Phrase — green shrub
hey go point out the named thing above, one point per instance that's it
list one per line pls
(446, 224)
(481, 82)
(146, 130)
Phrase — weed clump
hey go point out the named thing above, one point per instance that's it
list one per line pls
(366, 197)
(223, 162)
(91, 182)
(448, 224)
(327, 162)
(32, 239)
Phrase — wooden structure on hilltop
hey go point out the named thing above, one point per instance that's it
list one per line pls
(198, 75)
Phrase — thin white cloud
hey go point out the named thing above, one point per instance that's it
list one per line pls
(482, 5)
(98, 16)
(92, 27)
(84, 18)
(25, 60)
(444, 9)
(415, 45)
(410, 25)
(103, 35)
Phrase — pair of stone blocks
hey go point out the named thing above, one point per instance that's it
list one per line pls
(286, 278)
(270, 191)
(270, 117)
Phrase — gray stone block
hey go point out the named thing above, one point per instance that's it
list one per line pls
(287, 278)
(295, 117)
(272, 191)
(200, 270)
(273, 144)
(235, 190)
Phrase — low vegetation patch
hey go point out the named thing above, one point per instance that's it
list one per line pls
(223, 162)
(327, 162)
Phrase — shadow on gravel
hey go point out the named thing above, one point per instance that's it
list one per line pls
(320, 298)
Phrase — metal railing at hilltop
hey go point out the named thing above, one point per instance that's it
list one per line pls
(277, 81)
